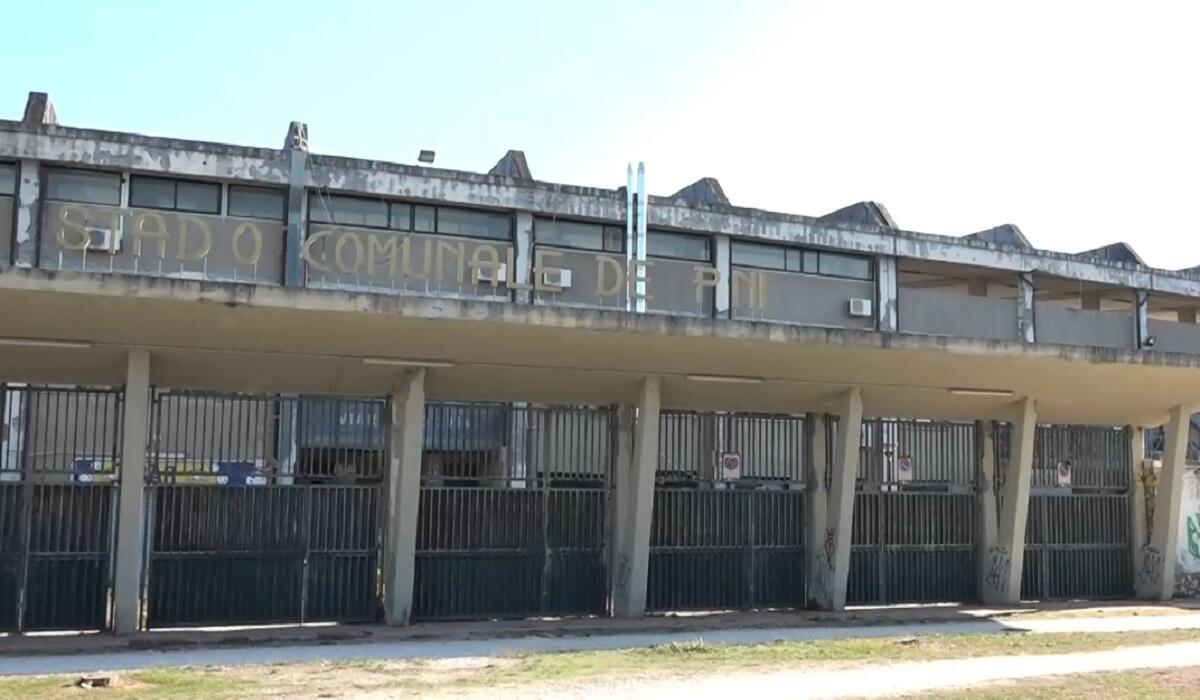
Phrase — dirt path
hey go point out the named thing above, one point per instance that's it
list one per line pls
(883, 680)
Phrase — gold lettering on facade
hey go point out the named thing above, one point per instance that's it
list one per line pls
(307, 254)
(603, 263)
(339, 253)
(426, 264)
(757, 283)
(386, 247)
(159, 233)
(205, 248)
(459, 251)
(256, 239)
(706, 278)
(513, 279)
(491, 265)
(78, 228)
(540, 270)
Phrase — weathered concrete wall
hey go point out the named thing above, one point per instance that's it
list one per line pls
(789, 297)
(1069, 326)
(359, 259)
(947, 313)
(1172, 336)
(163, 243)
(6, 230)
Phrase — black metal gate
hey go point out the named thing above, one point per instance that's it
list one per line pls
(264, 509)
(1077, 533)
(58, 465)
(514, 511)
(728, 530)
(913, 536)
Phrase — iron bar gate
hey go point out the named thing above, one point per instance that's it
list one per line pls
(913, 537)
(1077, 533)
(58, 466)
(515, 513)
(264, 508)
(728, 529)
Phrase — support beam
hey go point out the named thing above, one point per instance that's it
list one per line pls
(1002, 580)
(817, 496)
(1141, 311)
(633, 550)
(1156, 571)
(1139, 532)
(1025, 312)
(888, 294)
(985, 446)
(523, 257)
(296, 144)
(833, 560)
(127, 570)
(29, 213)
(723, 269)
(407, 439)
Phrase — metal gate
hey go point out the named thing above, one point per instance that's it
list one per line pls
(1077, 534)
(514, 511)
(58, 465)
(913, 537)
(264, 509)
(728, 529)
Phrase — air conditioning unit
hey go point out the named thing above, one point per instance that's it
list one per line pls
(491, 274)
(557, 278)
(860, 308)
(105, 239)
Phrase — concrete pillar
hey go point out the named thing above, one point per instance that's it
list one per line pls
(127, 570)
(622, 486)
(1025, 308)
(407, 440)
(287, 447)
(296, 145)
(1141, 311)
(722, 261)
(1156, 571)
(29, 213)
(833, 559)
(985, 446)
(523, 257)
(817, 496)
(1138, 532)
(633, 550)
(1002, 580)
(888, 294)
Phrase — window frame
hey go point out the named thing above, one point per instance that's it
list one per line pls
(175, 181)
(16, 174)
(603, 227)
(805, 256)
(239, 186)
(327, 198)
(437, 223)
(50, 171)
(707, 239)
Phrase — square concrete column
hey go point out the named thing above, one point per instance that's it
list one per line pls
(833, 558)
(1025, 307)
(985, 447)
(635, 507)
(28, 214)
(523, 258)
(888, 294)
(131, 497)
(1139, 532)
(407, 440)
(721, 295)
(1156, 572)
(1006, 558)
(817, 496)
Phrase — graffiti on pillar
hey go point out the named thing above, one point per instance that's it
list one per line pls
(1152, 566)
(823, 581)
(624, 573)
(1187, 559)
(999, 567)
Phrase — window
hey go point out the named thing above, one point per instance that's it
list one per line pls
(8, 179)
(401, 216)
(84, 186)
(423, 219)
(662, 244)
(758, 255)
(575, 234)
(813, 262)
(460, 222)
(347, 211)
(257, 202)
(836, 265)
(183, 195)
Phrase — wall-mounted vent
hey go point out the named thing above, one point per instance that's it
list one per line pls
(860, 308)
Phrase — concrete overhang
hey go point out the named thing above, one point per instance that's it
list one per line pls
(248, 338)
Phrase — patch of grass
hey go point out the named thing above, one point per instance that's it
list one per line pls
(1176, 684)
(156, 683)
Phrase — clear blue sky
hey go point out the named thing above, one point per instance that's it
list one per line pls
(1076, 121)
